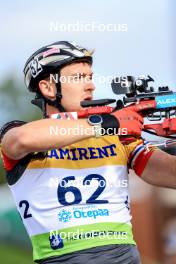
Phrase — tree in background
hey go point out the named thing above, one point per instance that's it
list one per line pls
(15, 105)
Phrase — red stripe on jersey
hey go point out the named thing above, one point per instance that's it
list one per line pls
(131, 156)
(141, 161)
(8, 163)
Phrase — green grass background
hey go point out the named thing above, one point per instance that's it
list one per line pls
(14, 255)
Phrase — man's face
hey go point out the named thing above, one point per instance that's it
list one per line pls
(76, 85)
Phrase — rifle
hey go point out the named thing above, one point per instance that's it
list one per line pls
(154, 105)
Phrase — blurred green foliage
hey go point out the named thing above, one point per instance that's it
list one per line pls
(15, 105)
(13, 255)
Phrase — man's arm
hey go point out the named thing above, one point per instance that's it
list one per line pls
(37, 137)
(160, 170)
(43, 135)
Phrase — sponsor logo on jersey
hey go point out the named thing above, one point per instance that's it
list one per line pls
(56, 241)
(88, 235)
(66, 216)
(83, 153)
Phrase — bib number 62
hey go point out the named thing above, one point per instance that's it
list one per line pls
(93, 199)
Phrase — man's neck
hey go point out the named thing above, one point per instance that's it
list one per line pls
(51, 110)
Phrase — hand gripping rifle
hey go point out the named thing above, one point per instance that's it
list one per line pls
(158, 107)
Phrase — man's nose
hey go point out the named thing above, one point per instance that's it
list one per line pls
(90, 86)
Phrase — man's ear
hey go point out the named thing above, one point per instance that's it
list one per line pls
(47, 88)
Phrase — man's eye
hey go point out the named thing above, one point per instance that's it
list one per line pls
(78, 76)
(83, 76)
